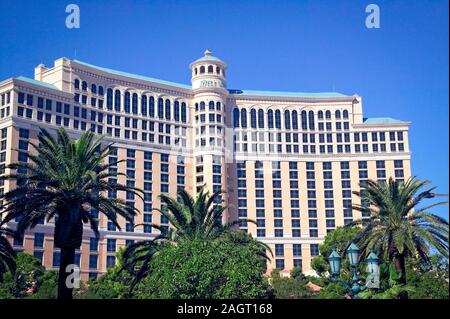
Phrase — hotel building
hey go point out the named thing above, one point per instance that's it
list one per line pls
(287, 160)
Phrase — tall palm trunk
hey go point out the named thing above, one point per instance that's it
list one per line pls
(399, 261)
(67, 258)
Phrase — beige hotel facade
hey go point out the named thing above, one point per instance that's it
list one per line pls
(287, 160)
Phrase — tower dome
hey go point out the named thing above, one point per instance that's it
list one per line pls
(208, 72)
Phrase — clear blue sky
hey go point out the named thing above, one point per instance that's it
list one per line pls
(400, 70)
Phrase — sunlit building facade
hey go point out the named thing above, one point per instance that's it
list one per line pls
(287, 160)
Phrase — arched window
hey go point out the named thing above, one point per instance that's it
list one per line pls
(176, 111)
(304, 120)
(217, 70)
(337, 114)
(151, 106)
(278, 119)
(270, 119)
(195, 71)
(183, 112)
(100, 90)
(211, 105)
(84, 86)
(167, 109)
(260, 118)
(126, 103)
(202, 69)
(243, 118)
(210, 69)
(287, 120)
(328, 115)
(320, 115)
(77, 83)
(93, 88)
(117, 100)
(218, 106)
(236, 117)
(109, 99)
(294, 120)
(160, 108)
(311, 120)
(253, 118)
(135, 104)
(144, 105)
(202, 106)
(345, 114)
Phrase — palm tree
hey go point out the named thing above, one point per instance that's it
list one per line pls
(191, 219)
(66, 179)
(7, 253)
(398, 228)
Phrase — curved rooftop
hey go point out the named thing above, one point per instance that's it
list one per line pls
(208, 57)
(134, 76)
(286, 94)
(381, 120)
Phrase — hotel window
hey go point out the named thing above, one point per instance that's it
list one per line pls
(398, 164)
(29, 100)
(311, 120)
(345, 114)
(93, 244)
(167, 109)
(253, 118)
(39, 240)
(279, 250)
(278, 119)
(111, 245)
(314, 250)
(304, 120)
(93, 261)
(56, 259)
(279, 263)
(110, 261)
(287, 120)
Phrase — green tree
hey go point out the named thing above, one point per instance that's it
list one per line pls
(293, 287)
(115, 284)
(25, 280)
(429, 282)
(191, 218)
(66, 179)
(47, 286)
(7, 254)
(333, 290)
(398, 228)
(204, 269)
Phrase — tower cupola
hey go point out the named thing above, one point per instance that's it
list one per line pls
(208, 73)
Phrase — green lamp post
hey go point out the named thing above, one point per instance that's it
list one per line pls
(353, 254)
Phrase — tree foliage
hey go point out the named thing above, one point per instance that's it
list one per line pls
(201, 269)
(30, 280)
(293, 287)
(65, 179)
(198, 218)
(399, 227)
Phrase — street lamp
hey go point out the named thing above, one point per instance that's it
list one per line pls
(335, 263)
(353, 253)
(373, 264)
